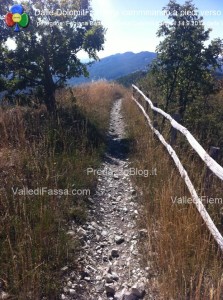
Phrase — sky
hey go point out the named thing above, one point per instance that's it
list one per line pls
(132, 24)
(132, 27)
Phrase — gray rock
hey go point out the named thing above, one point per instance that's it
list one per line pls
(88, 279)
(71, 233)
(105, 258)
(115, 276)
(104, 233)
(69, 283)
(81, 232)
(109, 270)
(95, 225)
(72, 292)
(138, 290)
(119, 295)
(110, 290)
(100, 288)
(90, 227)
(84, 274)
(143, 233)
(133, 192)
(125, 209)
(64, 269)
(119, 239)
(109, 278)
(98, 278)
(66, 289)
(110, 233)
(114, 253)
(91, 200)
(129, 296)
(97, 237)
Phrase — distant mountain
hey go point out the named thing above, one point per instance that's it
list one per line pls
(132, 78)
(116, 66)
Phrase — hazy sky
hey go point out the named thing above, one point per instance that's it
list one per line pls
(132, 24)
(131, 27)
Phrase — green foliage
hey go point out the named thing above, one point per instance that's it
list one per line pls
(132, 78)
(5, 32)
(185, 66)
(3, 68)
(46, 53)
(205, 118)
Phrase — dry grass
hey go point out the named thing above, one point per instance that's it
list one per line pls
(183, 259)
(37, 150)
(87, 96)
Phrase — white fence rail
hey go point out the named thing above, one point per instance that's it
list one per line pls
(209, 161)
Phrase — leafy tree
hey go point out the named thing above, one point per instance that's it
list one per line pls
(184, 67)
(4, 35)
(2, 68)
(46, 51)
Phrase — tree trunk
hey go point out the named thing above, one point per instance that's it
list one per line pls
(49, 85)
(182, 104)
(49, 98)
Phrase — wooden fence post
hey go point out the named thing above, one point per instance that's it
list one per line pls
(173, 131)
(133, 92)
(147, 104)
(155, 122)
(140, 97)
(208, 178)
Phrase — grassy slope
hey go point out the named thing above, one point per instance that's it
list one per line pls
(183, 259)
(38, 151)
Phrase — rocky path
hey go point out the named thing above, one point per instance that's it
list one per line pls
(111, 258)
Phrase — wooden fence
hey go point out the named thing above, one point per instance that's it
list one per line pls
(208, 160)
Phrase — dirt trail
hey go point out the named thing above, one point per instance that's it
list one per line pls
(110, 258)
